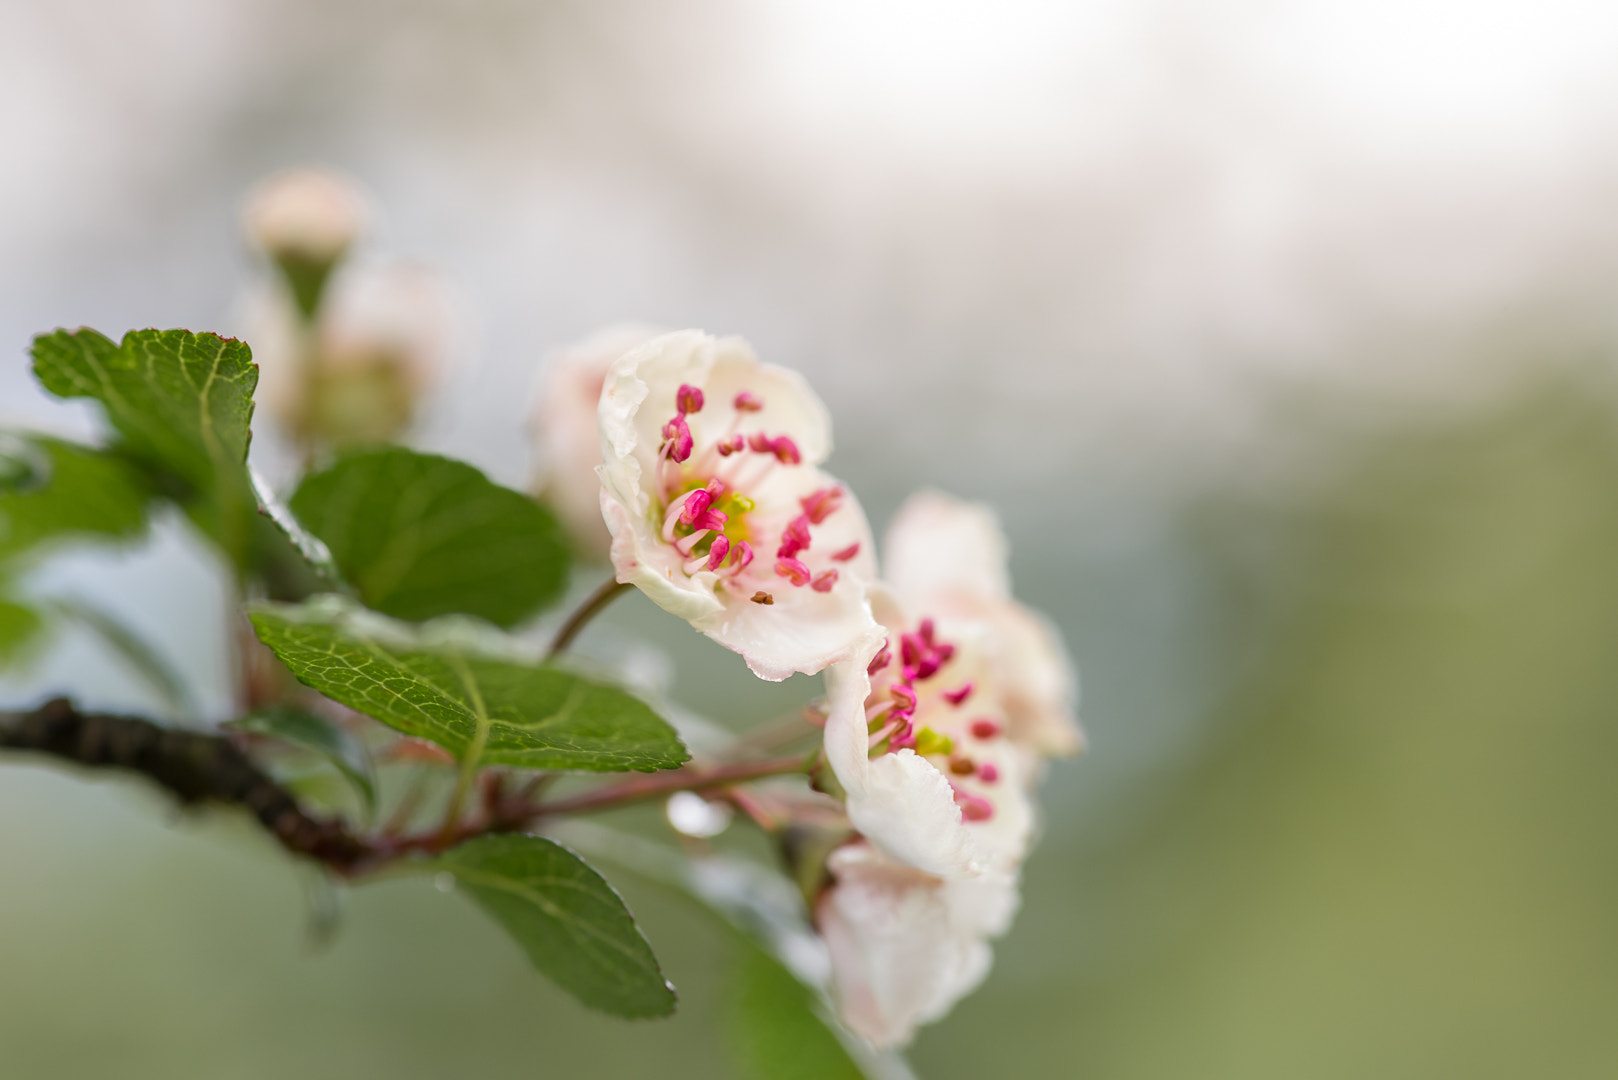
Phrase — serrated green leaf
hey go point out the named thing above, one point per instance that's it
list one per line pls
(775, 1031)
(180, 403)
(569, 921)
(20, 625)
(421, 536)
(499, 711)
(52, 490)
(303, 729)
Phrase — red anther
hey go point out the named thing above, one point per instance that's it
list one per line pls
(926, 630)
(710, 519)
(688, 399)
(761, 443)
(725, 449)
(955, 697)
(910, 648)
(793, 570)
(961, 765)
(786, 451)
(908, 673)
(973, 807)
(820, 505)
(903, 741)
(847, 553)
(928, 666)
(794, 538)
(879, 661)
(746, 402)
(988, 773)
(985, 729)
(717, 553)
(677, 438)
(944, 651)
(741, 556)
(824, 581)
(903, 696)
(696, 504)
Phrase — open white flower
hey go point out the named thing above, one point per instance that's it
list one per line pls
(566, 437)
(718, 510)
(916, 735)
(905, 946)
(948, 557)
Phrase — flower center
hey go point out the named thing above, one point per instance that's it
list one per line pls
(709, 518)
(903, 711)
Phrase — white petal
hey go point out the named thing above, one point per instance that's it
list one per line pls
(906, 946)
(565, 433)
(938, 544)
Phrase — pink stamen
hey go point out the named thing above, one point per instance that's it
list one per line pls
(746, 402)
(956, 697)
(761, 443)
(717, 553)
(677, 439)
(675, 514)
(903, 696)
(847, 553)
(742, 555)
(793, 570)
(688, 399)
(985, 729)
(732, 445)
(820, 505)
(973, 807)
(710, 519)
(696, 504)
(824, 581)
(988, 773)
(786, 451)
(794, 538)
(880, 660)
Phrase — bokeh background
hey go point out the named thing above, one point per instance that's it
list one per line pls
(1281, 333)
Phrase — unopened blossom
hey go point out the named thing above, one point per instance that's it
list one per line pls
(719, 511)
(949, 557)
(916, 733)
(308, 213)
(361, 372)
(566, 437)
(905, 946)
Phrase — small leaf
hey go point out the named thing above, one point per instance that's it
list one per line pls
(775, 1030)
(421, 535)
(180, 403)
(501, 711)
(19, 627)
(52, 490)
(316, 734)
(569, 921)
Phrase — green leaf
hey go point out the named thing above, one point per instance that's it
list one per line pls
(569, 921)
(496, 711)
(776, 1032)
(422, 535)
(303, 729)
(52, 490)
(180, 403)
(19, 627)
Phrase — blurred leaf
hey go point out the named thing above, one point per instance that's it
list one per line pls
(500, 711)
(312, 552)
(303, 729)
(422, 535)
(54, 490)
(19, 626)
(774, 1029)
(569, 921)
(180, 403)
(134, 650)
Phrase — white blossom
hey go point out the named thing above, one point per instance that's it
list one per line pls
(718, 510)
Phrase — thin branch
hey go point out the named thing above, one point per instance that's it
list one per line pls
(609, 591)
(641, 788)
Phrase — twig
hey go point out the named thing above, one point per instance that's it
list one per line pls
(588, 610)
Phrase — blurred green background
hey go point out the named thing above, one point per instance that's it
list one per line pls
(1253, 323)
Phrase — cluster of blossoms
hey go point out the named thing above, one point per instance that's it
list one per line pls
(346, 358)
(943, 693)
